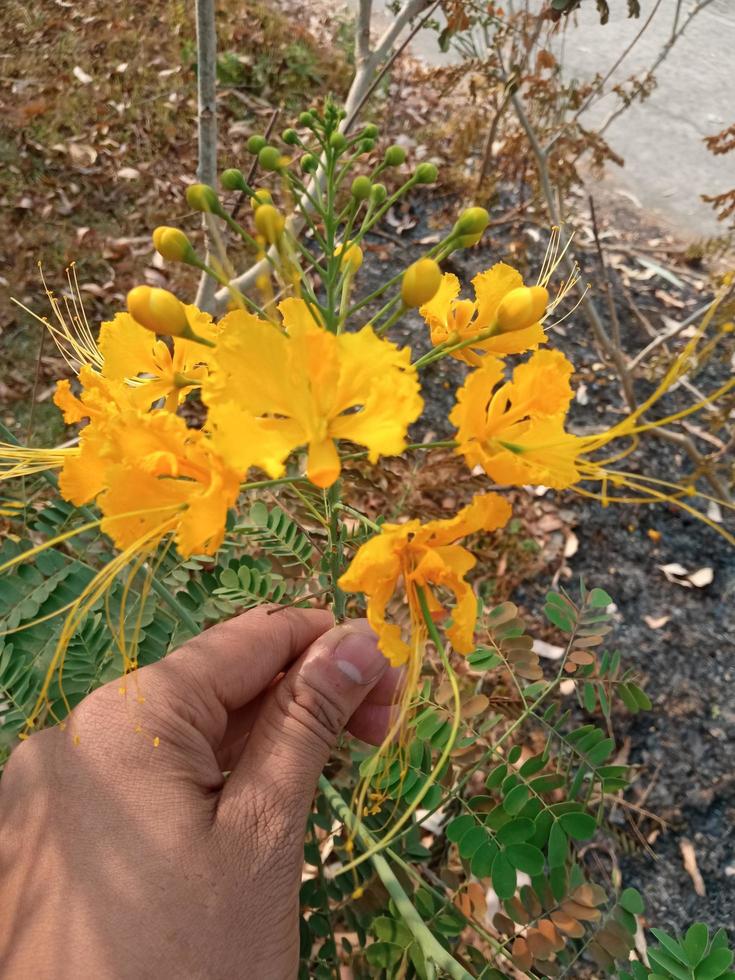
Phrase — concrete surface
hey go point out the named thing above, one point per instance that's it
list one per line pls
(667, 166)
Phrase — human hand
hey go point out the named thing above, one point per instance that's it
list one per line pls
(124, 858)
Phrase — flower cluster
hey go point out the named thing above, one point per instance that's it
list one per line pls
(282, 386)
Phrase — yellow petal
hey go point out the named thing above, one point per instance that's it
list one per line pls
(490, 287)
(543, 383)
(486, 512)
(297, 316)
(322, 464)
(436, 312)
(128, 348)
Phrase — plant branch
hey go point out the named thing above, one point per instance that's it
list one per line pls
(424, 938)
(206, 122)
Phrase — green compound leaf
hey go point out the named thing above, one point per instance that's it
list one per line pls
(598, 598)
(580, 826)
(516, 831)
(384, 955)
(714, 965)
(516, 799)
(631, 901)
(503, 876)
(558, 846)
(525, 857)
(695, 942)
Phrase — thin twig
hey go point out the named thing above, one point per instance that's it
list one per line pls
(206, 123)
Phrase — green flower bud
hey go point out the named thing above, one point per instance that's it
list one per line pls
(306, 119)
(269, 158)
(309, 163)
(256, 143)
(395, 156)
(233, 180)
(426, 173)
(202, 197)
(338, 141)
(470, 225)
(361, 188)
(366, 146)
(379, 193)
(370, 131)
(290, 137)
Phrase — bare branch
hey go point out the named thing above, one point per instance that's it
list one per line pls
(206, 118)
(362, 33)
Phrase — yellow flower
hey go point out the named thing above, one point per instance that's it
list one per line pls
(515, 430)
(270, 392)
(132, 353)
(452, 319)
(147, 471)
(423, 555)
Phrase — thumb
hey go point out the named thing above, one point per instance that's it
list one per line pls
(302, 717)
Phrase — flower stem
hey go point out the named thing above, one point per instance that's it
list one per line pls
(334, 496)
(431, 948)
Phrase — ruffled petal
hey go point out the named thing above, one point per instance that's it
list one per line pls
(490, 287)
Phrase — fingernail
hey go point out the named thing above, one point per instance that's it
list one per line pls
(357, 655)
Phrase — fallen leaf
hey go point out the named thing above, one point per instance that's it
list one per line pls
(676, 573)
(656, 622)
(690, 866)
(128, 173)
(654, 535)
(571, 545)
(702, 577)
(548, 650)
(714, 512)
(81, 75)
(82, 154)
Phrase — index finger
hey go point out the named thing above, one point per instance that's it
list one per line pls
(231, 663)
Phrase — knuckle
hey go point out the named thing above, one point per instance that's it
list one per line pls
(312, 708)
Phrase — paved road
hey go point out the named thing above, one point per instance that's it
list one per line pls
(667, 166)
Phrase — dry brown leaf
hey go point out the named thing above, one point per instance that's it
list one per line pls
(568, 924)
(702, 577)
(81, 75)
(656, 622)
(471, 901)
(690, 866)
(475, 706)
(83, 154)
(521, 954)
(675, 573)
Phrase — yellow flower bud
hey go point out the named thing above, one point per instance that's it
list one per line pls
(158, 310)
(172, 244)
(522, 307)
(351, 256)
(420, 282)
(261, 196)
(269, 223)
(202, 197)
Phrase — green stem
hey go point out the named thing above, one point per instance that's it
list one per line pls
(431, 948)
(175, 606)
(334, 495)
(444, 350)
